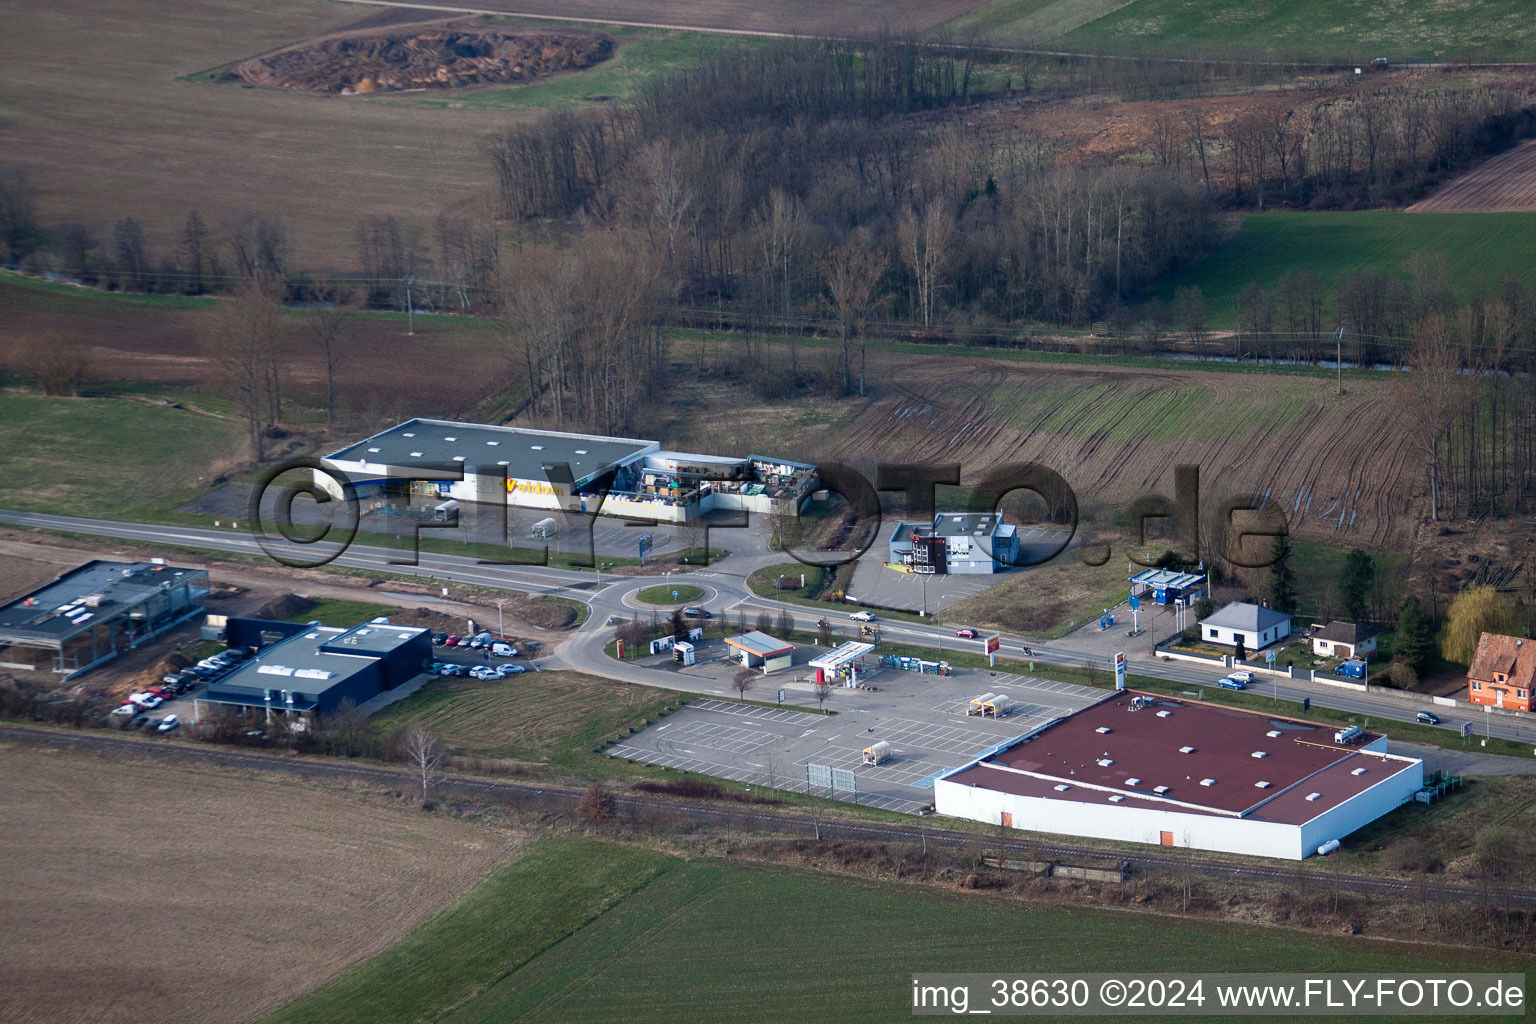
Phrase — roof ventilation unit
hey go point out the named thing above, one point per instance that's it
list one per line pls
(450, 439)
(1358, 771)
(1116, 798)
(1102, 729)
(1186, 750)
(1314, 796)
(1062, 788)
(1133, 781)
(1273, 734)
(1261, 785)
(1164, 714)
(1207, 782)
(1159, 789)
(1259, 753)
(1105, 762)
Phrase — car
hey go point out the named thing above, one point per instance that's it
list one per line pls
(465, 641)
(501, 650)
(140, 722)
(234, 654)
(438, 639)
(968, 633)
(483, 672)
(1242, 675)
(512, 670)
(862, 617)
(126, 709)
(1231, 683)
(451, 640)
(532, 645)
(1427, 718)
(170, 722)
(694, 612)
(173, 679)
(151, 702)
(455, 670)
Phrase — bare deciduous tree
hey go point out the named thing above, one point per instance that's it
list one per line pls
(328, 329)
(246, 338)
(852, 272)
(425, 756)
(597, 805)
(743, 681)
(926, 237)
(58, 362)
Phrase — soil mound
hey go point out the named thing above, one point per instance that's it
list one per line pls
(444, 59)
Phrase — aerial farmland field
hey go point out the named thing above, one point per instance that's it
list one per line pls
(1356, 30)
(228, 894)
(609, 932)
(1505, 183)
(110, 127)
(1481, 248)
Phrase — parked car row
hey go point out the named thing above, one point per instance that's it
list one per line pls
(498, 647)
(485, 672)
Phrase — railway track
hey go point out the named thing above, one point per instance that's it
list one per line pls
(797, 825)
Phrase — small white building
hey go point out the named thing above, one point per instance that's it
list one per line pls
(760, 651)
(1257, 626)
(1342, 640)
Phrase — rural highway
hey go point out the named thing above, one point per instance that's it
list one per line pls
(609, 596)
(738, 816)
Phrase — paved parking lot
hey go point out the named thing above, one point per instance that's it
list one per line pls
(923, 718)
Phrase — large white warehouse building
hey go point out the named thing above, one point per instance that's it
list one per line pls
(528, 468)
(1144, 768)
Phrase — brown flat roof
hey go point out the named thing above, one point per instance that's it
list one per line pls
(1182, 744)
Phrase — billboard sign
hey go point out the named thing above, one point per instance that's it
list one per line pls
(1120, 670)
(994, 643)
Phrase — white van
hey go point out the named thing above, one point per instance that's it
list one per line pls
(501, 650)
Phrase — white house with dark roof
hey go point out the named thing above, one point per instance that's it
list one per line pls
(1343, 640)
(1257, 626)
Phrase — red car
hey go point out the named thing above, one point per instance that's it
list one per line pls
(969, 634)
(452, 641)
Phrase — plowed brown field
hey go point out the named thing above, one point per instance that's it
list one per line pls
(1342, 468)
(1504, 184)
(805, 17)
(138, 891)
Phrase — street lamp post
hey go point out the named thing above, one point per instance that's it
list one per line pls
(501, 622)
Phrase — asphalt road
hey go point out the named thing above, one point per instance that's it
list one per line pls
(726, 590)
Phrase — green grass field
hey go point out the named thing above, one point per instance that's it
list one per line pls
(107, 456)
(1482, 249)
(1355, 30)
(578, 930)
(641, 53)
(554, 718)
(543, 894)
(329, 611)
(1029, 21)
(670, 594)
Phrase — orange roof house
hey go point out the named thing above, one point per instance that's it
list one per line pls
(1501, 674)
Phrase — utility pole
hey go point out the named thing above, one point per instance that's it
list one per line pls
(1338, 364)
(410, 307)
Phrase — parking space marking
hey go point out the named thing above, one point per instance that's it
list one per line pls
(722, 737)
(736, 774)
